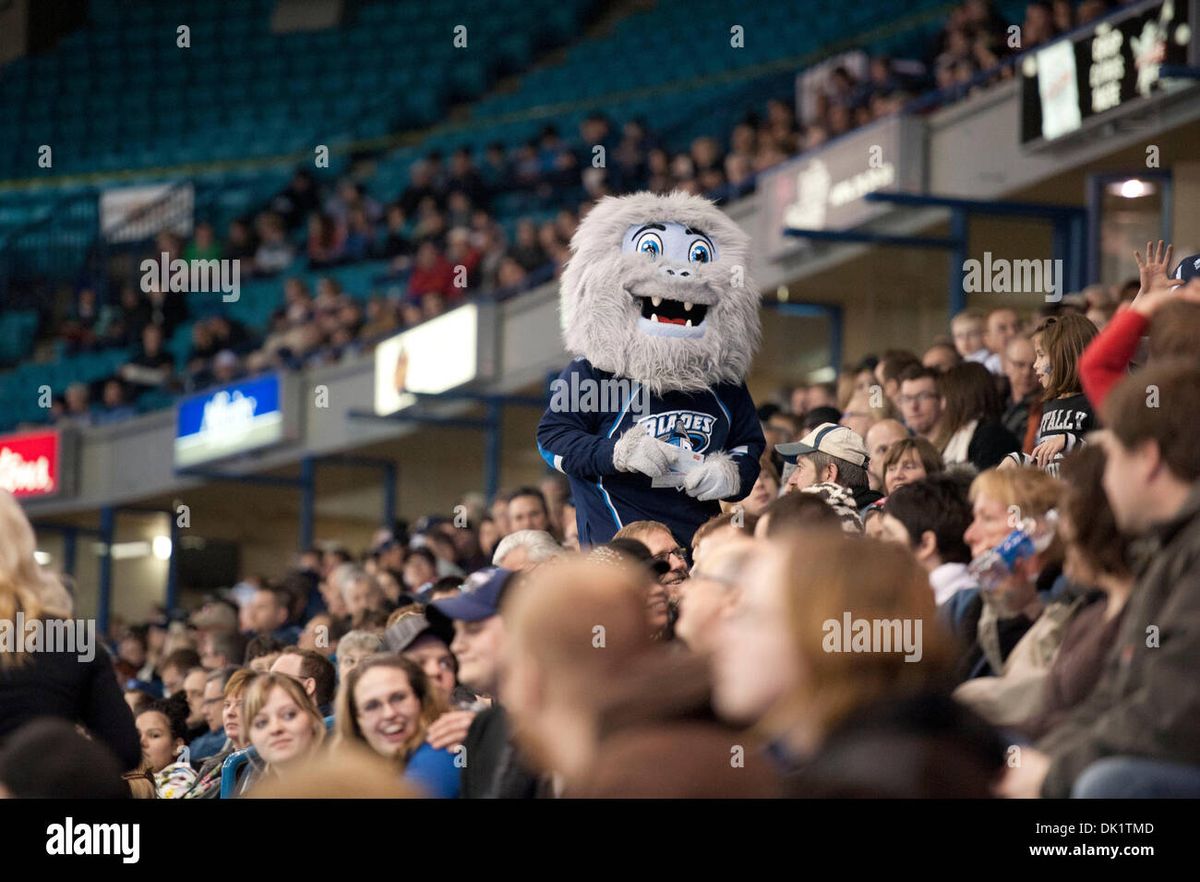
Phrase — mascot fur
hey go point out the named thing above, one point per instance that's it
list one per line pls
(652, 420)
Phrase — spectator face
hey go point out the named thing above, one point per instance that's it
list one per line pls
(193, 688)
(417, 571)
(158, 747)
(172, 679)
(1041, 363)
(361, 595)
(762, 494)
(266, 615)
(77, 398)
(857, 415)
(477, 647)
(803, 475)
(754, 665)
(289, 664)
(905, 470)
(231, 719)
(214, 699)
(1126, 473)
(1001, 327)
(281, 731)
(133, 651)
(527, 513)
(151, 339)
(663, 546)
(349, 660)
(940, 358)
(387, 708)
(436, 661)
(990, 525)
(1019, 357)
(879, 440)
(920, 404)
(968, 335)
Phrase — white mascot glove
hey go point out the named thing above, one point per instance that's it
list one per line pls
(717, 478)
(637, 451)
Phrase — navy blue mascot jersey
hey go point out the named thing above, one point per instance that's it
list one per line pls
(578, 441)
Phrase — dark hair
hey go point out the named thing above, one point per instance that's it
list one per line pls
(937, 504)
(819, 415)
(175, 709)
(182, 659)
(895, 362)
(969, 393)
(262, 644)
(317, 667)
(1174, 331)
(425, 553)
(1177, 385)
(229, 644)
(799, 510)
(48, 758)
(1083, 501)
(930, 458)
(530, 491)
(918, 371)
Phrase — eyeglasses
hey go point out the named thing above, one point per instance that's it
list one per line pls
(679, 552)
(918, 398)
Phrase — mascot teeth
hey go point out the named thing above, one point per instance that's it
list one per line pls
(657, 301)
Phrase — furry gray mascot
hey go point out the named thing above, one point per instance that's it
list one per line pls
(652, 420)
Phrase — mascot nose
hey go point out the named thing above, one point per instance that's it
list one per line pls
(675, 271)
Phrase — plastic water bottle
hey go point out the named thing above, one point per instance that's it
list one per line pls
(995, 565)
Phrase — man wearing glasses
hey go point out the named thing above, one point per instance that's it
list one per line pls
(920, 401)
(663, 548)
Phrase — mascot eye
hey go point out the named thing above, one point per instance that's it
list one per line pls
(649, 244)
(700, 252)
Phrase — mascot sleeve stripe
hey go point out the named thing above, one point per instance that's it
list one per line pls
(608, 502)
(724, 409)
(555, 462)
(624, 410)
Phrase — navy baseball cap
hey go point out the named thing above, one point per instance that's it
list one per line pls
(1188, 268)
(479, 598)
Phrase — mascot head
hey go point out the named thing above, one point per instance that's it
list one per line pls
(657, 290)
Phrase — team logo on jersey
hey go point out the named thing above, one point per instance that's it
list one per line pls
(683, 428)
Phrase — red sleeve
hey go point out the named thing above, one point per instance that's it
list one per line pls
(1107, 358)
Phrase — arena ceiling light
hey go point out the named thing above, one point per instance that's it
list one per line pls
(1132, 188)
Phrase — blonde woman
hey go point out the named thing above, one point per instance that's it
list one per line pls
(387, 704)
(79, 685)
(284, 724)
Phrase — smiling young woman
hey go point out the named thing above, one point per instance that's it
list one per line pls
(387, 704)
(284, 725)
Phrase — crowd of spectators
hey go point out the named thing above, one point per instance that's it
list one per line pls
(883, 500)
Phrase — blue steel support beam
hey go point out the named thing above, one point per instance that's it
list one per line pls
(70, 548)
(975, 206)
(173, 562)
(866, 237)
(960, 232)
(491, 474)
(308, 502)
(108, 530)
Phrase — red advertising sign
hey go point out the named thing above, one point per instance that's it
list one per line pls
(29, 463)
